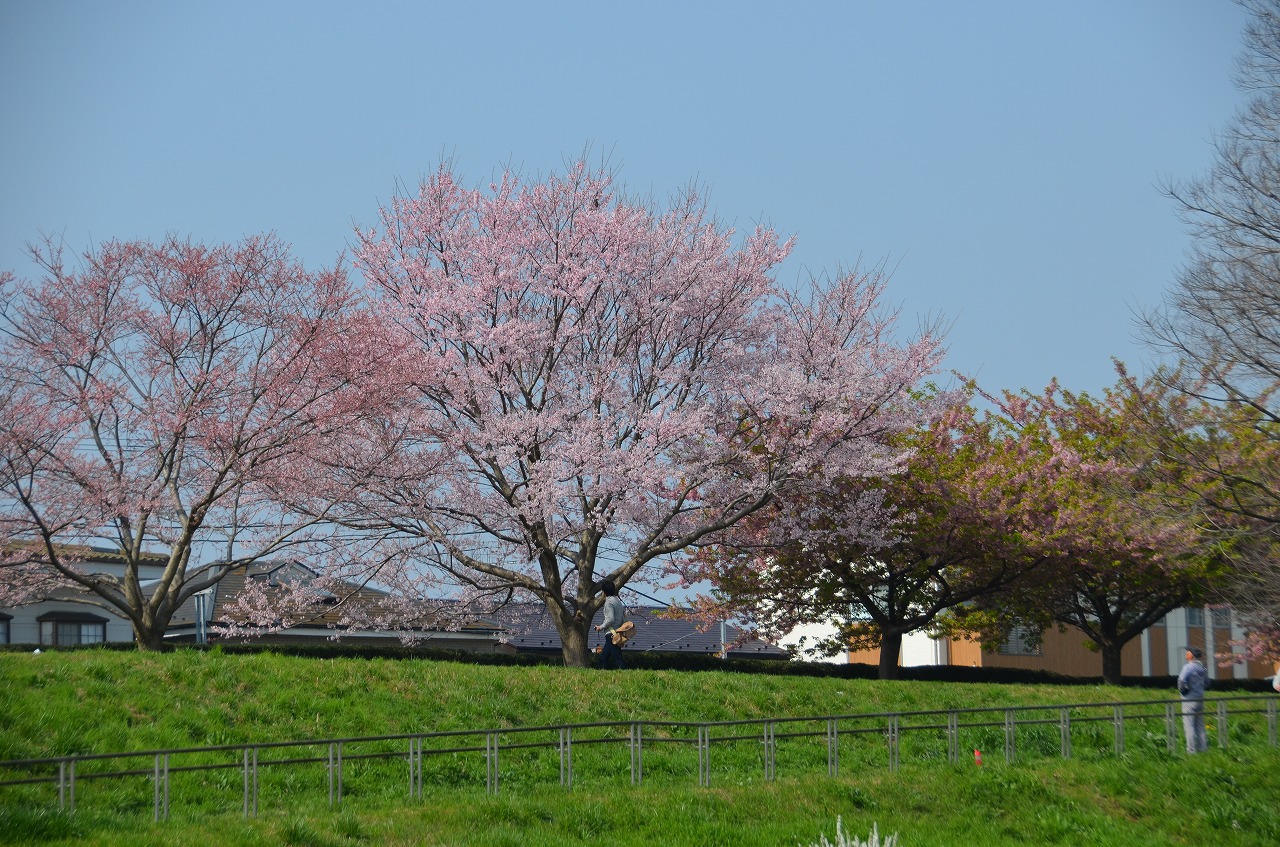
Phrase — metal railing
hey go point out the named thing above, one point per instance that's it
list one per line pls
(250, 760)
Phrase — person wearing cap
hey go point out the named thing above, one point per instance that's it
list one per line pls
(1191, 683)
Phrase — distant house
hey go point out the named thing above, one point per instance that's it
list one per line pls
(529, 630)
(201, 619)
(62, 617)
(1159, 651)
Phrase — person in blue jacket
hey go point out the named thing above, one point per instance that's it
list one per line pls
(1191, 683)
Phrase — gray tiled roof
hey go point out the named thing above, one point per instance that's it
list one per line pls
(534, 632)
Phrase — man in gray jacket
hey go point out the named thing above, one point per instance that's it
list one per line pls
(614, 615)
(1191, 683)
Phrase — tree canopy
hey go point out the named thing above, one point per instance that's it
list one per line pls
(161, 397)
(591, 383)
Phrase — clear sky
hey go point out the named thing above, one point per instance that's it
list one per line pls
(1003, 158)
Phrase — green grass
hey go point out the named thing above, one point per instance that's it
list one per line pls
(85, 702)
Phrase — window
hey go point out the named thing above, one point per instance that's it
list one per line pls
(1195, 616)
(1221, 618)
(4, 627)
(1020, 643)
(63, 629)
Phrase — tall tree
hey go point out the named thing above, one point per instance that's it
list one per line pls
(1122, 555)
(1227, 458)
(1223, 319)
(158, 400)
(963, 519)
(599, 383)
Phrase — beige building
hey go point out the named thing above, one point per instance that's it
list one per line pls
(1159, 651)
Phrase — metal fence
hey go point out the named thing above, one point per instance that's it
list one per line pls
(890, 729)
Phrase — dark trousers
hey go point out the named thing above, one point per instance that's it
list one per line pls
(611, 656)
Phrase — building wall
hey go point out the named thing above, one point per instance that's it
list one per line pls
(1066, 653)
(25, 629)
(1157, 652)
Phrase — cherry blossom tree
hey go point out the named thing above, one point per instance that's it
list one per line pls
(1046, 510)
(599, 383)
(1127, 548)
(965, 517)
(159, 400)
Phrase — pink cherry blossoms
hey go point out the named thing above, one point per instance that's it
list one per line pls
(590, 384)
(158, 402)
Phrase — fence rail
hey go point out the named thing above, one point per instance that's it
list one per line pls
(65, 773)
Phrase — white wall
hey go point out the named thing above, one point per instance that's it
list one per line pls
(812, 632)
(919, 649)
(25, 629)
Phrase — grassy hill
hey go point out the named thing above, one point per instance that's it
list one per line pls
(56, 704)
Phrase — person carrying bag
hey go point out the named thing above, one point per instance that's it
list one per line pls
(616, 627)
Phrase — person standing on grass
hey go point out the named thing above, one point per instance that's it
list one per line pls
(614, 614)
(1191, 683)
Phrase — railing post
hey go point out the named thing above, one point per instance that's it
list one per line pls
(1117, 720)
(770, 752)
(160, 788)
(893, 743)
(833, 748)
(250, 768)
(953, 737)
(335, 773)
(491, 762)
(1064, 730)
(67, 785)
(415, 768)
(637, 753)
(704, 757)
(1010, 737)
(1222, 724)
(1271, 722)
(566, 757)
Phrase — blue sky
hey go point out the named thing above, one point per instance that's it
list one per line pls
(1003, 158)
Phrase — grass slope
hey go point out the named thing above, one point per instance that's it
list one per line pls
(96, 701)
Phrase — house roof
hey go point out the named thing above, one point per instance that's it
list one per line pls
(327, 612)
(530, 629)
(51, 587)
(89, 553)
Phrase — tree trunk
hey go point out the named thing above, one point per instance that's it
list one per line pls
(1111, 661)
(572, 625)
(148, 633)
(573, 647)
(150, 639)
(890, 650)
